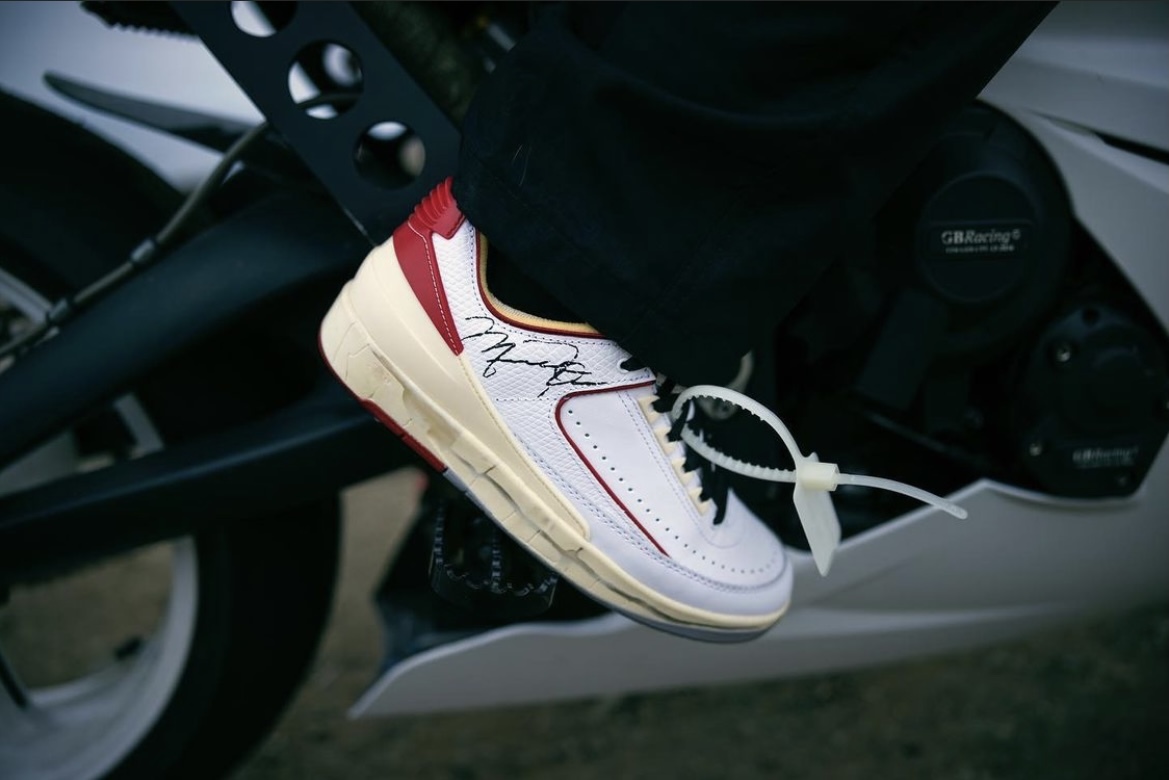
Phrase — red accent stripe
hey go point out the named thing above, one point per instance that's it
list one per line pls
(589, 464)
(410, 441)
(414, 246)
(439, 211)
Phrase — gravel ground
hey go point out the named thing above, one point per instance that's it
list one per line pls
(1089, 701)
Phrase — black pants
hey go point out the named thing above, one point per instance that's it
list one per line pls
(681, 174)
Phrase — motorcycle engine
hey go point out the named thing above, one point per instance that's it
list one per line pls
(973, 247)
(982, 333)
(1091, 411)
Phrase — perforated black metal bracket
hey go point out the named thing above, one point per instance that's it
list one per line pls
(260, 65)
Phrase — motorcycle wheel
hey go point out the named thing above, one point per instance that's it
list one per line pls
(243, 605)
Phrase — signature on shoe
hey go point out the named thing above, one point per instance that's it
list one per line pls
(501, 350)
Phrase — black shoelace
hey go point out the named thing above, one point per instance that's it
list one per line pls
(715, 485)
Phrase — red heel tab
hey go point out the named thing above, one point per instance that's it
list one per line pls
(439, 212)
(417, 257)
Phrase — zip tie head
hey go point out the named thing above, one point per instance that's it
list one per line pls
(813, 475)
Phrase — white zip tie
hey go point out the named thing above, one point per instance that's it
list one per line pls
(813, 479)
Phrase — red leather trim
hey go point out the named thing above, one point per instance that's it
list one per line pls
(584, 458)
(409, 440)
(414, 246)
(439, 212)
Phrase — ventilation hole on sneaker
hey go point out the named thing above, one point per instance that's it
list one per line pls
(390, 155)
(325, 68)
(261, 20)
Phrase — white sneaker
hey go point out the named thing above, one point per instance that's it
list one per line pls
(552, 429)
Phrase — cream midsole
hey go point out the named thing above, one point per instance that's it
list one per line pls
(478, 448)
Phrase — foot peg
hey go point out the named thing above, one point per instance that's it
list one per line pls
(475, 565)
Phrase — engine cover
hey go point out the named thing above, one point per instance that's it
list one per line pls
(970, 251)
(991, 239)
(1094, 404)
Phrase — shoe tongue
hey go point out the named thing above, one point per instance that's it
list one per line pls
(515, 288)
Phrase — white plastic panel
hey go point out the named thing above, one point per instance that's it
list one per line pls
(40, 36)
(924, 584)
(1101, 65)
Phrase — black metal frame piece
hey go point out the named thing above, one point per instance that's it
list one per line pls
(310, 449)
(328, 146)
(268, 250)
(305, 452)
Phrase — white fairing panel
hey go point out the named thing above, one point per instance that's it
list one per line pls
(926, 582)
(1099, 65)
(1093, 70)
(923, 584)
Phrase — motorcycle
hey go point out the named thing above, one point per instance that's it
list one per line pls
(1005, 345)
